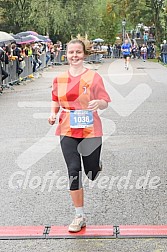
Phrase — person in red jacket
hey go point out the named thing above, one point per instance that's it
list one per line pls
(80, 92)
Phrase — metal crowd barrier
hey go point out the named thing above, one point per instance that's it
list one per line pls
(43, 60)
(60, 58)
(12, 69)
(117, 53)
(94, 58)
(26, 65)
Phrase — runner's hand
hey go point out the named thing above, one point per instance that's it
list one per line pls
(52, 119)
(93, 105)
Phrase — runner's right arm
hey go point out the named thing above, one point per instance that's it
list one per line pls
(54, 110)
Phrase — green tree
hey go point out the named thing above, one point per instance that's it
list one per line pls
(79, 18)
(164, 20)
(46, 16)
(15, 14)
(66, 18)
(109, 26)
(156, 7)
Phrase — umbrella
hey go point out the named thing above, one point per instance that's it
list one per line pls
(26, 33)
(39, 38)
(98, 40)
(33, 33)
(16, 36)
(27, 39)
(43, 38)
(6, 37)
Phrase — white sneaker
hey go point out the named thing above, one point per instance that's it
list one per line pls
(77, 224)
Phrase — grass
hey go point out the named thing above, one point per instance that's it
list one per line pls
(156, 61)
(153, 60)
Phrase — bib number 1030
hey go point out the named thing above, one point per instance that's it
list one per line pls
(81, 118)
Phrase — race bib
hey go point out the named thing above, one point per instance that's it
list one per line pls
(81, 118)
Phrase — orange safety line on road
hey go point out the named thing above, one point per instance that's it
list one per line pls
(88, 231)
(103, 231)
(22, 231)
(142, 231)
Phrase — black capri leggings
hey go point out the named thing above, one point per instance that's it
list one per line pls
(75, 148)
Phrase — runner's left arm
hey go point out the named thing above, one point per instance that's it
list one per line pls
(100, 97)
(97, 104)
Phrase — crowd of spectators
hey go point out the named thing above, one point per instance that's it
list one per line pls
(18, 53)
(138, 51)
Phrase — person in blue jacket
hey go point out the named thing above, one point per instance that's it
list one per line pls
(126, 51)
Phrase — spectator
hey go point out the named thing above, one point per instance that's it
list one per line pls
(151, 51)
(98, 46)
(144, 52)
(52, 53)
(60, 44)
(164, 52)
(48, 54)
(145, 37)
(119, 50)
(3, 61)
(109, 51)
(36, 57)
(134, 51)
(139, 51)
(28, 50)
(29, 53)
(16, 51)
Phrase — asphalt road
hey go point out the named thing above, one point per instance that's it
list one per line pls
(132, 186)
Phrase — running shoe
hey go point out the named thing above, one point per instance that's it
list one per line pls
(77, 224)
